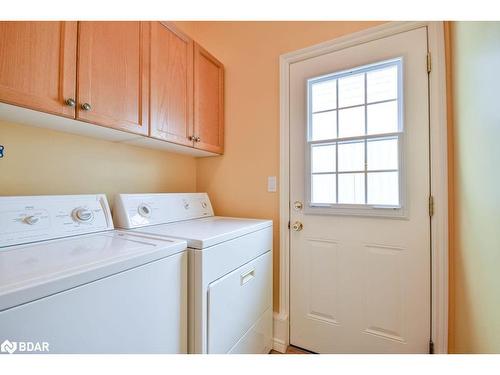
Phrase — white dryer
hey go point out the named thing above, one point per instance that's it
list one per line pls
(72, 284)
(230, 268)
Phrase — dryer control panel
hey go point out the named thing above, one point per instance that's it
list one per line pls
(36, 218)
(138, 210)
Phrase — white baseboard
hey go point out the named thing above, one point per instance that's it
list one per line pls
(279, 345)
(280, 332)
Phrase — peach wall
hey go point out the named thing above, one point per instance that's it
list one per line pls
(451, 186)
(475, 296)
(237, 181)
(41, 161)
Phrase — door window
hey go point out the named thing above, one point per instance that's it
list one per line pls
(355, 138)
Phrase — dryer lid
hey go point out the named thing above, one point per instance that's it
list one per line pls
(206, 232)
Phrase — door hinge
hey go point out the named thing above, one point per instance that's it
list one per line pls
(429, 62)
(431, 347)
(431, 205)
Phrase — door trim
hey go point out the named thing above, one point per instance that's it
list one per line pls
(438, 172)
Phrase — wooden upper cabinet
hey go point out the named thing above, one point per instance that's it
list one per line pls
(38, 65)
(113, 74)
(208, 101)
(146, 78)
(171, 115)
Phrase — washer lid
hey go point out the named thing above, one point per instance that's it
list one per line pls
(206, 232)
(29, 272)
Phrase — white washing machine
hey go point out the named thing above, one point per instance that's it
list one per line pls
(230, 268)
(72, 284)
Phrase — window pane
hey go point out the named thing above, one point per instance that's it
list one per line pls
(323, 158)
(351, 156)
(352, 188)
(324, 125)
(382, 118)
(382, 153)
(324, 95)
(382, 84)
(352, 122)
(352, 90)
(383, 188)
(323, 188)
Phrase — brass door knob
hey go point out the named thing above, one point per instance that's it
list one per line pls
(86, 106)
(297, 226)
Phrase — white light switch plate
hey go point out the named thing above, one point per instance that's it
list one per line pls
(271, 184)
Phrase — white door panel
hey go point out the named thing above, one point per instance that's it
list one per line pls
(360, 283)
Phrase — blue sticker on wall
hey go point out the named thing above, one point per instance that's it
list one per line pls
(1, 151)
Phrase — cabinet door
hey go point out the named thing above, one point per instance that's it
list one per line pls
(113, 74)
(38, 65)
(171, 115)
(208, 101)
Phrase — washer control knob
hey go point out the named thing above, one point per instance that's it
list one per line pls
(82, 215)
(31, 220)
(186, 205)
(204, 204)
(144, 210)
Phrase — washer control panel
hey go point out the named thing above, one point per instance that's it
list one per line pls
(36, 218)
(137, 210)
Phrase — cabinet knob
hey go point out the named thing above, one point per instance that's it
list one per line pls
(197, 139)
(191, 138)
(86, 106)
(70, 102)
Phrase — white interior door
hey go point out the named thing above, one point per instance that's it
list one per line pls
(359, 190)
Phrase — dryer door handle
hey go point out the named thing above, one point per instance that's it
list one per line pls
(247, 276)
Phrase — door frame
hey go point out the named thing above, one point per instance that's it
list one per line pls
(438, 172)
